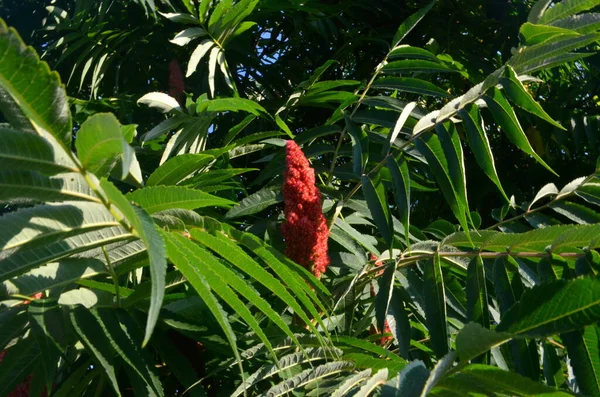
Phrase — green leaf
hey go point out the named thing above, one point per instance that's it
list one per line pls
(400, 326)
(202, 287)
(21, 150)
(217, 283)
(255, 203)
(479, 143)
(309, 376)
(100, 143)
(477, 298)
(18, 362)
(583, 23)
(95, 340)
(435, 305)
(178, 168)
(583, 347)
(411, 381)
(446, 171)
(33, 87)
(409, 84)
(178, 364)
(394, 132)
(474, 378)
(48, 329)
(159, 198)
(123, 334)
(409, 23)
(535, 34)
(162, 102)
(473, 340)
(144, 228)
(235, 255)
(566, 8)
(350, 383)
(375, 194)
(25, 186)
(576, 212)
(384, 296)
(418, 66)
(37, 235)
(360, 147)
(545, 55)
(285, 364)
(232, 105)
(165, 126)
(185, 36)
(507, 119)
(554, 307)
(521, 97)
(401, 184)
(407, 51)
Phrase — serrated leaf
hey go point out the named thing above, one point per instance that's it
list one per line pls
(516, 92)
(285, 364)
(95, 340)
(235, 255)
(350, 383)
(144, 228)
(507, 119)
(215, 282)
(532, 34)
(583, 347)
(409, 23)
(545, 309)
(431, 147)
(21, 150)
(255, 203)
(308, 376)
(45, 232)
(122, 332)
(566, 8)
(26, 186)
(26, 79)
(407, 51)
(479, 143)
(475, 378)
(159, 198)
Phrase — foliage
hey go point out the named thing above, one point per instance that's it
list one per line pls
(455, 152)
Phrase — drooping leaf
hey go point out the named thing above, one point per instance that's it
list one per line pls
(401, 184)
(407, 25)
(95, 340)
(144, 228)
(435, 305)
(583, 346)
(507, 119)
(360, 147)
(479, 143)
(376, 199)
(410, 84)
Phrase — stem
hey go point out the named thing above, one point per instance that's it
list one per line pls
(113, 275)
(356, 106)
